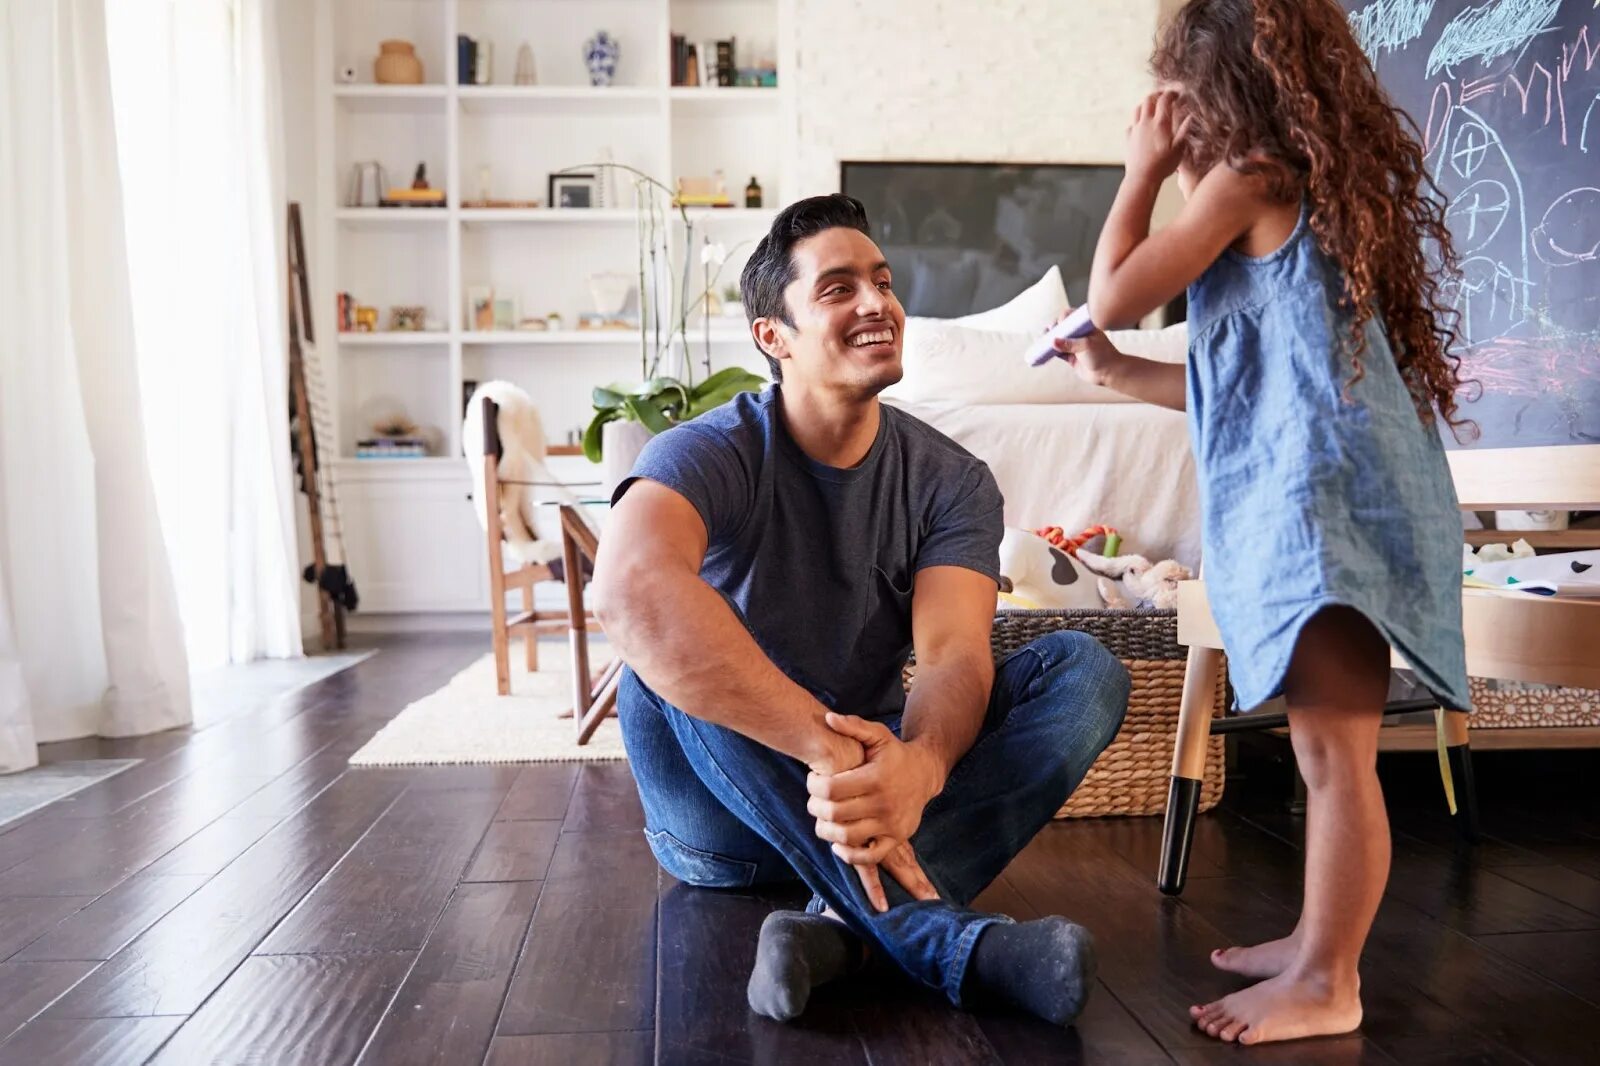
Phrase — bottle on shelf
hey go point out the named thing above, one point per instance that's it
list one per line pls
(752, 193)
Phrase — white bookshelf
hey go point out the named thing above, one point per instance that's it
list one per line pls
(541, 257)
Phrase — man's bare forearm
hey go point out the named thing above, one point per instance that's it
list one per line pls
(945, 709)
(686, 643)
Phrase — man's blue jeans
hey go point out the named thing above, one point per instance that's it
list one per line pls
(723, 811)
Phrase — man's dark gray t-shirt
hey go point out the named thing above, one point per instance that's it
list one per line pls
(819, 561)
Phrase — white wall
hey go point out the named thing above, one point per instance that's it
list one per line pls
(1036, 81)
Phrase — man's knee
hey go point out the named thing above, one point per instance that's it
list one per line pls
(697, 866)
(1095, 681)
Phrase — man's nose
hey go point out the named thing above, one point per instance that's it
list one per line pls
(873, 302)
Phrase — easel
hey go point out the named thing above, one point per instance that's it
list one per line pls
(330, 613)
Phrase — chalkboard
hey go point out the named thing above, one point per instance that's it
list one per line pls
(1506, 95)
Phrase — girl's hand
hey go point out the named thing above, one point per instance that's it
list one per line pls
(1093, 357)
(1156, 136)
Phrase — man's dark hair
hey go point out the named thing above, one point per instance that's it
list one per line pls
(770, 268)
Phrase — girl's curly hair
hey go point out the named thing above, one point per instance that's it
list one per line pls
(1281, 89)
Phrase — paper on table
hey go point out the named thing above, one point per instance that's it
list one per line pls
(1566, 574)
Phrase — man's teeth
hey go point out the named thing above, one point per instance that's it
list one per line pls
(881, 337)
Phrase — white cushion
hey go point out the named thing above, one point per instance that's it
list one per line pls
(949, 363)
(1036, 308)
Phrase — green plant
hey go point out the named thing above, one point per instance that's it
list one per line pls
(662, 402)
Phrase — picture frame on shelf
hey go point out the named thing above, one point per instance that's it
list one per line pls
(505, 312)
(574, 190)
(480, 307)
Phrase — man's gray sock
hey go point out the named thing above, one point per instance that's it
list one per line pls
(1045, 967)
(796, 953)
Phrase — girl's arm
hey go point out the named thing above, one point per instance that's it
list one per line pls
(1094, 358)
(1136, 271)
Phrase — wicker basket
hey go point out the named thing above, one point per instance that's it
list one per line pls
(1513, 705)
(1132, 774)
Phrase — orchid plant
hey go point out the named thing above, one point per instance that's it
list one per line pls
(667, 392)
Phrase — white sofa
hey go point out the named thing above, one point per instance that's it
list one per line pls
(1064, 453)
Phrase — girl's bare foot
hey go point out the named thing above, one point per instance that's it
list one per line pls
(1285, 1007)
(1267, 959)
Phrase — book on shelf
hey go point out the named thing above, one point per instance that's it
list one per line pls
(391, 448)
(703, 63)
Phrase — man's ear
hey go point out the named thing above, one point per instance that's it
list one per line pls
(770, 338)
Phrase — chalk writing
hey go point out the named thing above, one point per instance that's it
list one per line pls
(1540, 91)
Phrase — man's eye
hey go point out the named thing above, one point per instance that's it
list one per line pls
(837, 289)
(884, 285)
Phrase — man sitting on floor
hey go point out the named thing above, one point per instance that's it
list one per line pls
(765, 571)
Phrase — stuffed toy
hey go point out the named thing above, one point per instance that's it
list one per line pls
(1035, 574)
(1058, 538)
(1134, 581)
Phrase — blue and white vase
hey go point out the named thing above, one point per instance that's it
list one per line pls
(600, 54)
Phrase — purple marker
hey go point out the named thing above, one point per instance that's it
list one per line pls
(1075, 325)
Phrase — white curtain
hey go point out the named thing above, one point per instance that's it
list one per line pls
(90, 639)
(199, 123)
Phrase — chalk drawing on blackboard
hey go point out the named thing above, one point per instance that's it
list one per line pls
(1471, 165)
(1497, 28)
(1567, 241)
(1583, 135)
(1567, 234)
(1390, 25)
(1507, 97)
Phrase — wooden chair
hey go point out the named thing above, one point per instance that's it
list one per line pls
(1513, 638)
(530, 624)
(593, 695)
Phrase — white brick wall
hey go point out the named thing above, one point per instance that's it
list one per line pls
(1037, 81)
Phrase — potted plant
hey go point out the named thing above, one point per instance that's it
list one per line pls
(628, 414)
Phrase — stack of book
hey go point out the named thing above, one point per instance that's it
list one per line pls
(391, 448)
(402, 197)
(702, 63)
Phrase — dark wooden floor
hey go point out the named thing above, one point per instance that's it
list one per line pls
(244, 896)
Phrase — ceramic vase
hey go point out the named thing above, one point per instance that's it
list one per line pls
(620, 445)
(600, 54)
(525, 73)
(397, 64)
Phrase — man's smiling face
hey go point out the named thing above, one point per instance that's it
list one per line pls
(848, 323)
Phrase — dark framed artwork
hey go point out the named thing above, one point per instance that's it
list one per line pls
(573, 189)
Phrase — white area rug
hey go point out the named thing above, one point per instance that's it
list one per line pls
(466, 722)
